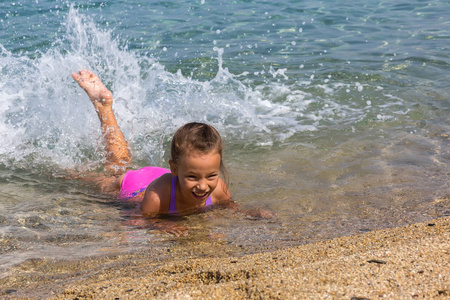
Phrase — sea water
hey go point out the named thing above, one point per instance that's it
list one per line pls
(335, 116)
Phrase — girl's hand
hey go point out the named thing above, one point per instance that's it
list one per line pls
(174, 229)
(259, 213)
(166, 226)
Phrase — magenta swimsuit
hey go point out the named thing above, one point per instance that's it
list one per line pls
(136, 182)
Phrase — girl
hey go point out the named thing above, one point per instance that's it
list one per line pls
(192, 182)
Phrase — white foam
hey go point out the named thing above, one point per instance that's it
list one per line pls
(43, 111)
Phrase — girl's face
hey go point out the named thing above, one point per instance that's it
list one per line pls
(198, 175)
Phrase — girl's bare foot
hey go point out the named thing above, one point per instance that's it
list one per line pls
(99, 95)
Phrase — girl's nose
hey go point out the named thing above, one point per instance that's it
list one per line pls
(202, 185)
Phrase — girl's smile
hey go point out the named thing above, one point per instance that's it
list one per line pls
(198, 176)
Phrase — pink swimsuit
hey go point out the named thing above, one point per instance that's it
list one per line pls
(135, 182)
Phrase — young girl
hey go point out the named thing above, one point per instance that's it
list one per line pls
(192, 182)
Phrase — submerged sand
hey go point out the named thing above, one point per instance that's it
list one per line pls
(400, 263)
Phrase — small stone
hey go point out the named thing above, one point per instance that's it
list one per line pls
(377, 261)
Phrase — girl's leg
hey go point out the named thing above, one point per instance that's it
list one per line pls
(117, 154)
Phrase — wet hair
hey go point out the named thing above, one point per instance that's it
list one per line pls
(194, 138)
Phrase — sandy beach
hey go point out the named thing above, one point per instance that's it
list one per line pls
(399, 263)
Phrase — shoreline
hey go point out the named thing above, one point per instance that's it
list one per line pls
(404, 262)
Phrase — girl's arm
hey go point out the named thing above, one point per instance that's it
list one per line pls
(223, 199)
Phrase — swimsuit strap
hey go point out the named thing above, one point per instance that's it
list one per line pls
(208, 201)
(173, 194)
(173, 198)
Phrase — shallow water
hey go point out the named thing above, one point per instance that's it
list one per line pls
(335, 117)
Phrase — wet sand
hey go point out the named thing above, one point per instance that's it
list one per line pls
(400, 263)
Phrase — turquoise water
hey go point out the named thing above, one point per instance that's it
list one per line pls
(335, 117)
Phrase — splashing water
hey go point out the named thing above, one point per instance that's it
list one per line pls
(46, 117)
(45, 113)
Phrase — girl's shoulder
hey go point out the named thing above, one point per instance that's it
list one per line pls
(221, 193)
(162, 183)
(157, 195)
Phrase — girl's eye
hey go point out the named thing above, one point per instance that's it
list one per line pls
(191, 177)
